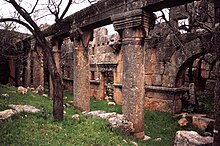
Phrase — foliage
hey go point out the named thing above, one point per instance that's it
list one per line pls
(41, 129)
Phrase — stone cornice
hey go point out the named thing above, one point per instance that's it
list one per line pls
(130, 19)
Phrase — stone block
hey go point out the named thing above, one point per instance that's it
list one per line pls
(168, 81)
(159, 95)
(202, 122)
(148, 80)
(158, 104)
(191, 138)
(156, 79)
(118, 96)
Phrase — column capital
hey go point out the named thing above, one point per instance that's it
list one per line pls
(129, 19)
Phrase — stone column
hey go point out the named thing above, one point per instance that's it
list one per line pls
(118, 80)
(102, 86)
(133, 26)
(56, 53)
(38, 70)
(81, 68)
(27, 79)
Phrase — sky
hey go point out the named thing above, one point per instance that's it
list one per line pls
(6, 10)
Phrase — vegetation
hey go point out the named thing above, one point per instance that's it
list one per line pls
(38, 129)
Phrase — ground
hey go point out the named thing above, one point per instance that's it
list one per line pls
(40, 129)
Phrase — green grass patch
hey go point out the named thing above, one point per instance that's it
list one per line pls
(36, 129)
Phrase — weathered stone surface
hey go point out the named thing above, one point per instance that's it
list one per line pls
(75, 117)
(183, 122)
(121, 123)
(156, 80)
(24, 108)
(158, 104)
(202, 122)
(7, 113)
(191, 138)
(116, 120)
(81, 67)
(22, 90)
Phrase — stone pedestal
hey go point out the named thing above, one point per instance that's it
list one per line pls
(131, 25)
(81, 69)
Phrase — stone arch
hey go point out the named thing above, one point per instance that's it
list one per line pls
(179, 80)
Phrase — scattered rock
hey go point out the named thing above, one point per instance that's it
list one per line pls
(24, 108)
(22, 90)
(66, 105)
(44, 95)
(134, 143)
(40, 90)
(111, 103)
(125, 141)
(146, 137)
(6, 114)
(191, 138)
(75, 117)
(116, 120)
(5, 95)
(182, 122)
(202, 122)
(121, 123)
(158, 139)
(94, 114)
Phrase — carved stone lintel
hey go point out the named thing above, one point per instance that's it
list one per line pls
(134, 18)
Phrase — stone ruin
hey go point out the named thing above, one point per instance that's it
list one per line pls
(145, 63)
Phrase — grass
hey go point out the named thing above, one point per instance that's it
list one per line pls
(34, 129)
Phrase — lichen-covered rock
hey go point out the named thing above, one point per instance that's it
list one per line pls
(183, 122)
(22, 90)
(6, 114)
(191, 138)
(119, 122)
(24, 108)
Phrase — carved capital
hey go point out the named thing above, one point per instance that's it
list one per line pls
(76, 34)
(134, 18)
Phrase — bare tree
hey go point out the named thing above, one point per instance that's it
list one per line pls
(30, 24)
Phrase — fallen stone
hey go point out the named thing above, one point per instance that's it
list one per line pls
(119, 122)
(75, 117)
(182, 122)
(157, 139)
(146, 137)
(202, 122)
(40, 90)
(5, 95)
(94, 114)
(107, 115)
(22, 90)
(191, 138)
(111, 103)
(6, 114)
(44, 95)
(24, 108)
(134, 143)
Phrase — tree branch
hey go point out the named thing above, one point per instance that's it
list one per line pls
(66, 9)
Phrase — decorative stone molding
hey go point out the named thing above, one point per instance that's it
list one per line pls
(131, 19)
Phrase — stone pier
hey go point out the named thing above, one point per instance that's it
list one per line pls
(38, 70)
(81, 79)
(132, 26)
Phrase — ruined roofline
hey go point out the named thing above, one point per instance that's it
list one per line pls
(99, 14)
